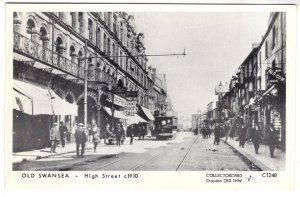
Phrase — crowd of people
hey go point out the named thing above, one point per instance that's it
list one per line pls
(242, 132)
(112, 135)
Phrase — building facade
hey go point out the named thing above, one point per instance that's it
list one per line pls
(258, 86)
(59, 50)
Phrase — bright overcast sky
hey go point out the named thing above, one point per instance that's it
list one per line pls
(215, 43)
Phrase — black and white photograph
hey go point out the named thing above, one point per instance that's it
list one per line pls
(123, 90)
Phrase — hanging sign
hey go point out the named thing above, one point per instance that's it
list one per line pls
(130, 108)
(117, 100)
(274, 76)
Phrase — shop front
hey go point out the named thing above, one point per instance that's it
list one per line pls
(35, 109)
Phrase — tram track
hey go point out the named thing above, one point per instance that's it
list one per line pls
(179, 166)
(148, 160)
(175, 158)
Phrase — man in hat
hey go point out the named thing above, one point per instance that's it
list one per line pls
(63, 131)
(80, 139)
(54, 137)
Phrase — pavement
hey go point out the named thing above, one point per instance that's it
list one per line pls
(32, 155)
(262, 159)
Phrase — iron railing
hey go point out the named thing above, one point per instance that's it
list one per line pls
(47, 56)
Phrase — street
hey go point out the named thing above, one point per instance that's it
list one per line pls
(187, 152)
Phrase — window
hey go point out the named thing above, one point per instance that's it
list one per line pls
(273, 65)
(115, 25)
(90, 29)
(43, 37)
(59, 46)
(106, 18)
(98, 36)
(108, 47)
(30, 26)
(61, 15)
(109, 20)
(104, 44)
(73, 20)
(114, 52)
(72, 53)
(80, 61)
(80, 22)
(273, 36)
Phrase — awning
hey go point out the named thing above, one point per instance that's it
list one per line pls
(135, 119)
(40, 97)
(22, 103)
(147, 113)
(61, 106)
(43, 100)
(117, 114)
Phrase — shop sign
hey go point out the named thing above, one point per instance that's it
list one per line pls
(130, 108)
(274, 76)
(117, 100)
(132, 94)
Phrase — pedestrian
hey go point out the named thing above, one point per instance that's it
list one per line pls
(242, 137)
(63, 131)
(118, 134)
(196, 131)
(54, 137)
(130, 133)
(122, 133)
(93, 128)
(80, 139)
(143, 131)
(274, 129)
(255, 135)
(217, 134)
(96, 139)
(140, 130)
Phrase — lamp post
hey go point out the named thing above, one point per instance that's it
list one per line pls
(111, 88)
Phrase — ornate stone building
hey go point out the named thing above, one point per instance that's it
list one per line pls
(55, 49)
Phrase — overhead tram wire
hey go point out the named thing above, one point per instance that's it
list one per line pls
(154, 55)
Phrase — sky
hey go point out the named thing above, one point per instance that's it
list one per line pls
(215, 44)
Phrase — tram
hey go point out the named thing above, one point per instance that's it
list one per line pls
(166, 127)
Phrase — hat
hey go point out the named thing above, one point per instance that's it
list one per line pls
(80, 124)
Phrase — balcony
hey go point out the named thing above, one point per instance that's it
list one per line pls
(36, 51)
(98, 75)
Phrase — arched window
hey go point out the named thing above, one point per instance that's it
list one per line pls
(72, 53)
(80, 61)
(30, 27)
(59, 46)
(43, 37)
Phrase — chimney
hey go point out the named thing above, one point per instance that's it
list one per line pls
(255, 45)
